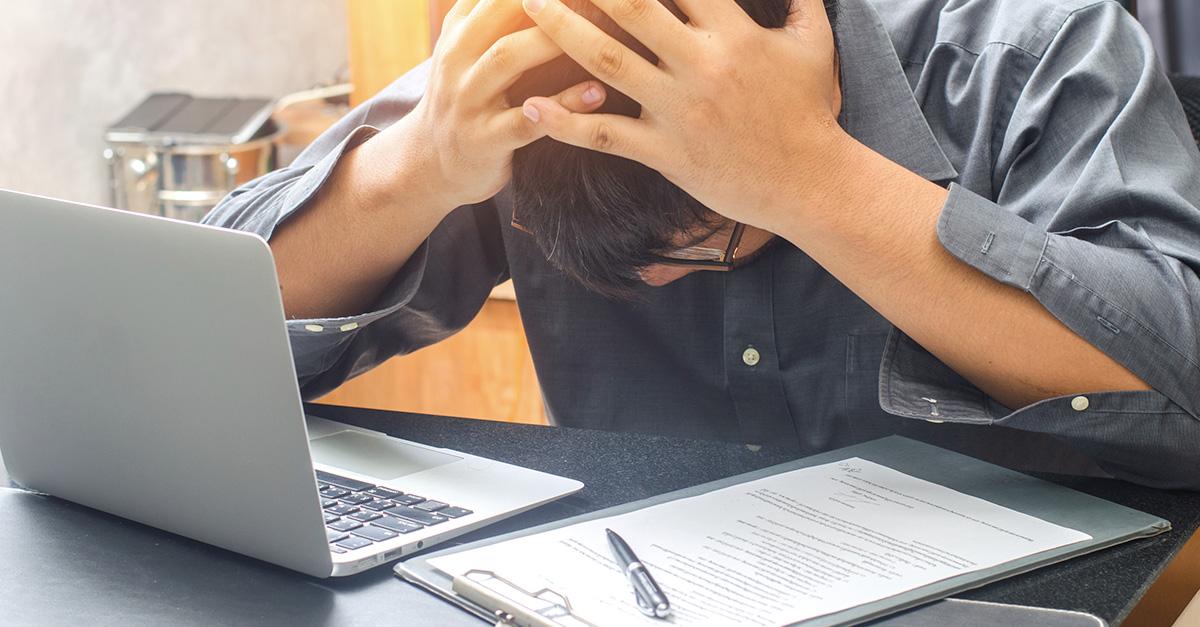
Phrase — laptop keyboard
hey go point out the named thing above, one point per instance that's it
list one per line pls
(359, 514)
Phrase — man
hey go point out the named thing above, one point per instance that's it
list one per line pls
(973, 223)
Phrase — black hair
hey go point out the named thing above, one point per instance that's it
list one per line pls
(597, 217)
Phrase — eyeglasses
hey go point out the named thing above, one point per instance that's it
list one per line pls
(698, 257)
(705, 257)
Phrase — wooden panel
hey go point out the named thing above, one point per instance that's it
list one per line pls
(484, 371)
(387, 38)
(1171, 593)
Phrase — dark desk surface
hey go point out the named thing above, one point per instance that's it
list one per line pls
(63, 563)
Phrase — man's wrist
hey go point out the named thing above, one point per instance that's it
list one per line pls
(822, 169)
(851, 197)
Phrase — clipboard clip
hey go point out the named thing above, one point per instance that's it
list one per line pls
(513, 606)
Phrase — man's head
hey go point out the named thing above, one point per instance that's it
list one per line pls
(601, 219)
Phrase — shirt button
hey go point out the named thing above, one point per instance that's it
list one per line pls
(1079, 403)
(751, 357)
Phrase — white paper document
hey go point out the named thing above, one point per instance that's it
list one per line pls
(774, 551)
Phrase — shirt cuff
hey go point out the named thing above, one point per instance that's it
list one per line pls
(318, 343)
(1141, 436)
(997, 242)
(913, 383)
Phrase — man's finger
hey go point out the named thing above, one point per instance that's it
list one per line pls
(461, 9)
(582, 98)
(652, 23)
(487, 22)
(518, 130)
(601, 55)
(511, 56)
(613, 134)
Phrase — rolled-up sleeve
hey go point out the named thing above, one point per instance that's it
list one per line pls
(1095, 211)
(437, 292)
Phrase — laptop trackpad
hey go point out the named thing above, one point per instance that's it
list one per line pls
(376, 456)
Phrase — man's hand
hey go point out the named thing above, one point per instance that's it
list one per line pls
(454, 148)
(464, 127)
(734, 114)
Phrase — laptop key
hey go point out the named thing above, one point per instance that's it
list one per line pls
(353, 542)
(334, 493)
(327, 503)
(356, 499)
(345, 483)
(336, 549)
(378, 534)
(454, 512)
(363, 515)
(334, 536)
(397, 524)
(408, 499)
(383, 493)
(423, 517)
(341, 509)
(330, 517)
(378, 505)
(430, 506)
(344, 525)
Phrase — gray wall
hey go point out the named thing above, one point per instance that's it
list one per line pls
(69, 68)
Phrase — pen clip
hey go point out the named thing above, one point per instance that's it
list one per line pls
(645, 591)
(650, 599)
(646, 606)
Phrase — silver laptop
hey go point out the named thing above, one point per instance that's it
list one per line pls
(145, 371)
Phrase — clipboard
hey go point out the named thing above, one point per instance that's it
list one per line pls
(1108, 523)
(513, 605)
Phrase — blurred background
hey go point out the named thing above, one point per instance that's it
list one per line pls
(73, 67)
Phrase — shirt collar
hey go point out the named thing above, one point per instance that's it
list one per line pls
(878, 106)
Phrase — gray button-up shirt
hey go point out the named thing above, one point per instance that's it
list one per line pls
(1072, 176)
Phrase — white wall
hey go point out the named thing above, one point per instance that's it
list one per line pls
(70, 68)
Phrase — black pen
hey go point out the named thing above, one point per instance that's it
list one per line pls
(650, 598)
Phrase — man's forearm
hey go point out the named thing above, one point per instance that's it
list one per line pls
(873, 225)
(338, 252)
